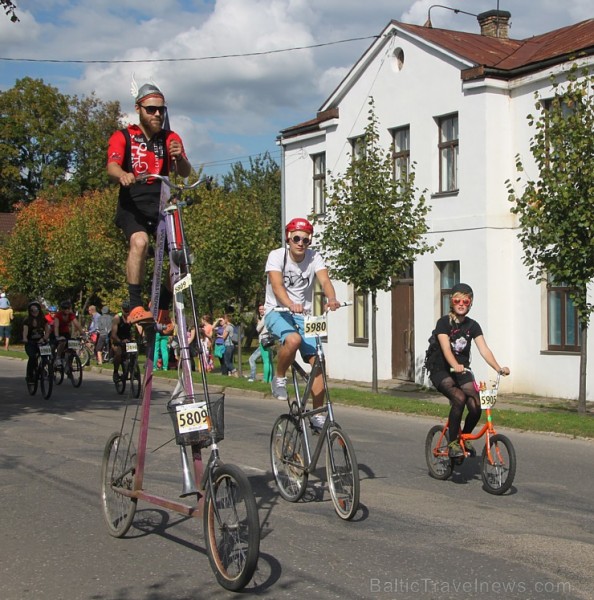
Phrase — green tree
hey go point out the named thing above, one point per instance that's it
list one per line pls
(230, 239)
(51, 143)
(375, 226)
(556, 210)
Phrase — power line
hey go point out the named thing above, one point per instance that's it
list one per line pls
(162, 60)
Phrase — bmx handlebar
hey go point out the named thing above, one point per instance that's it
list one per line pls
(176, 186)
(285, 309)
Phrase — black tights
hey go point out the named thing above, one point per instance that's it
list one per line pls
(459, 397)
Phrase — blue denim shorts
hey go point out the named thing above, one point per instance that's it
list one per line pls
(281, 324)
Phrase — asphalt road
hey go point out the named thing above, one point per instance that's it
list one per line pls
(414, 537)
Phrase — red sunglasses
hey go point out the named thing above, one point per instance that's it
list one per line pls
(464, 301)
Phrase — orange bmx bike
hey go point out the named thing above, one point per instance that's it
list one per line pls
(498, 460)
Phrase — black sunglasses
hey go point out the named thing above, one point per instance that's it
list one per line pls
(151, 110)
(296, 239)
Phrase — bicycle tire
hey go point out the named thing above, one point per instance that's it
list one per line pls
(75, 369)
(46, 378)
(342, 473)
(498, 475)
(121, 373)
(84, 354)
(135, 379)
(117, 471)
(231, 527)
(436, 454)
(58, 373)
(32, 375)
(287, 458)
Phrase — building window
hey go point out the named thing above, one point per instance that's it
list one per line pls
(319, 183)
(360, 320)
(401, 153)
(562, 318)
(448, 153)
(358, 147)
(449, 276)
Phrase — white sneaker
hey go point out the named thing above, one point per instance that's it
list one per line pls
(317, 423)
(251, 380)
(279, 388)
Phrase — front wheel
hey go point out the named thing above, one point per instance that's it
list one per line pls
(287, 458)
(46, 378)
(58, 371)
(119, 380)
(231, 527)
(84, 354)
(117, 472)
(342, 472)
(499, 469)
(436, 453)
(32, 376)
(135, 380)
(75, 370)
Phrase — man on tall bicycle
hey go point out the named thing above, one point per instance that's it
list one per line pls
(149, 147)
(291, 272)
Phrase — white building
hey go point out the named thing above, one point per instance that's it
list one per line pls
(456, 104)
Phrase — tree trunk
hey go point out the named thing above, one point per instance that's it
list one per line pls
(583, 364)
(373, 342)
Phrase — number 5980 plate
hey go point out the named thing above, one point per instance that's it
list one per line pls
(315, 325)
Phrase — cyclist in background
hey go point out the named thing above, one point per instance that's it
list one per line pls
(121, 332)
(455, 332)
(149, 147)
(35, 329)
(64, 321)
(291, 272)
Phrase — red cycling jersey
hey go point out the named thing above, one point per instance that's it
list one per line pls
(64, 320)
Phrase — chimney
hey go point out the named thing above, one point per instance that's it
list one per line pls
(495, 23)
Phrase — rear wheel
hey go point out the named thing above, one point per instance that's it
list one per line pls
(498, 470)
(32, 376)
(342, 472)
(117, 473)
(84, 354)
(231, 527)
(46, 378)
(75, 369)
(436, 453)
(287, 458)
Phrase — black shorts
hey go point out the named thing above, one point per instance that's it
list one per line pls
(131, 220)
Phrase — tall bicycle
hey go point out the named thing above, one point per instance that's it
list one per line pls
(224, 497)
(292, 453)
(498, 460)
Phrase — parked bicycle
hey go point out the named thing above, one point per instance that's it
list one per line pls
(498, 460)
(69, 365)
(291, 440)
(41, 372)
(224, 497)
(128, 370)
(87, 349)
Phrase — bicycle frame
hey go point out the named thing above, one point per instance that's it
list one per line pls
(170, 228)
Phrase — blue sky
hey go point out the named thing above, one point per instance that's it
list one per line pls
(227, 109)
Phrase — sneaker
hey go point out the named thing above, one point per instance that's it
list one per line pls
(317, 423)
(115, 378)
(469, 447)
(279, 388)
(251, 380)
(455, 450)
(139, 315)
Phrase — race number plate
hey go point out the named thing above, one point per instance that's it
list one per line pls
(183, 283)
(131, 347)
(192, 417)
(488, 398)
(314, 326)
(45, 350)
(74, 344)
